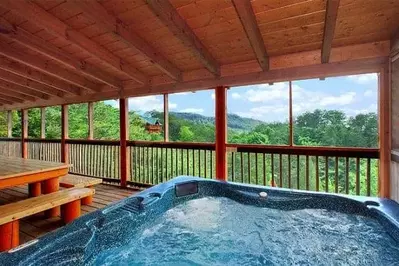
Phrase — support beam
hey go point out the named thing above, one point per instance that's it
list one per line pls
(178, 26)
(99, 14)
(37, 44)
(329, 28)
(64, 133)
(351, 67)
(384, 132)
(43, 122)
(124, 136)
(24, 133)
(40, 17)
(30, 84)
(166, 117)
(9, 124)
(90, 119)
(221, 132)
(78, 82)
(23, 90)
(250, 25)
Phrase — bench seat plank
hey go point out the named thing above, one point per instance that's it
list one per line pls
(17, 210)
(79, 181)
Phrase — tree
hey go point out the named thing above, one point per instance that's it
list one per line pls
(186, 134)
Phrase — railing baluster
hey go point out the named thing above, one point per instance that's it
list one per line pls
(193, 164)
(317, 174)
(205, 152)
(171, 164)
(336, 174)
(249, 167)
(256, 168)
(347, 175)
(326, 167)
(368, 176)
(199, 162)
(242, 167)
(272, 169)
(264, 168)
(176, 161)
(188, 162)
(233, 157)
(289, 170)
(281, 169)
(357, 176)
(297, 172)
(307, 172)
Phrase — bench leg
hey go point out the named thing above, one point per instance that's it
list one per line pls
(88, 200)
(9, 235)
(70, 211)
(34, 189)
(49, 186)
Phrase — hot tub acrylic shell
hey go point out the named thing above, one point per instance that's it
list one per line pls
(80, 241)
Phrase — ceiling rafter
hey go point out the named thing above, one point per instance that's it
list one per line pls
(56, 27)
(27, 72)
(178, 26)
(78, 82)
(100, 15)
(18, 80)
(15, 94)
(329, 28)
(5, 101)
(37, 44)
(10, 98)
(250, 25)
(23, 90)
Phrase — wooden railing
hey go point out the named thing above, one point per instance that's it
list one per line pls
(337, 170)
(156, 162)
(10, 147)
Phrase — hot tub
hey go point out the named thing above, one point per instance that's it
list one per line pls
(198, 221)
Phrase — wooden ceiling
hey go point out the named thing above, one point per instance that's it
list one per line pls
(67, 51)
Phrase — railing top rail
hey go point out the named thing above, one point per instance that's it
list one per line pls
(312, 151)
(176, 145)
(10, 139)
(352, 152)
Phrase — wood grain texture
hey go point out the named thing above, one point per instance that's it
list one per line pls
(329, 29)
(250, 25)
(78, 181)
(28, 207)
(16, 167)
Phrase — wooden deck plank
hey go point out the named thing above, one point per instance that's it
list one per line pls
(37, 225)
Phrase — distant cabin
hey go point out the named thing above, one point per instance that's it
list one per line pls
(152, 125)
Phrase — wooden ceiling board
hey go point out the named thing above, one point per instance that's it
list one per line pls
(294, 22)
(291, 11)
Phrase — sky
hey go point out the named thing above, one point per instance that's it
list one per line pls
(351, 94)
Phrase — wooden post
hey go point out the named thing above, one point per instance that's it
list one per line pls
(384, 132)
(124, 135)
(221, 132)
(90, 116)
(24, 133)
(43, 123)
(166, 117)
(291, 135)
(64, 133)
(9, 124)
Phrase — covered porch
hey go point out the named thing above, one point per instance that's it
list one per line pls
(58, 53)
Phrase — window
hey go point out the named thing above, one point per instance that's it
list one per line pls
(258, 114)
(146, 118)
(340, 111)
(192, 116)
(78, 121)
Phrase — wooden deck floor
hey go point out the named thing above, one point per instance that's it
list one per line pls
(35, 226)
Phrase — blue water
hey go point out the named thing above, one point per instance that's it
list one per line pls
(220, 231)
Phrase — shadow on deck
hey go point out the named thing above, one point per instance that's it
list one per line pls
(36, 225)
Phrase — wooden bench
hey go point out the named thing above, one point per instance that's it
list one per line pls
(79, 181)
(10, 214)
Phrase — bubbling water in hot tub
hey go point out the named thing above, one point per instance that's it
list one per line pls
(220, 231)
